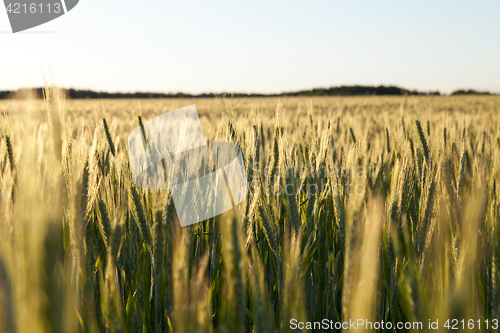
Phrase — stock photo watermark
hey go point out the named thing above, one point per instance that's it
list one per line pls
(25, 15)
(205, 179)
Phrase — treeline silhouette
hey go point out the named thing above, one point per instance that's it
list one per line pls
(470, 92)
(333, 91)
(359, 90)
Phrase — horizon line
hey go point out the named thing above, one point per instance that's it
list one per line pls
(342, 90)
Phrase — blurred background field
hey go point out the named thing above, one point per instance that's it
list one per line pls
(82, 249)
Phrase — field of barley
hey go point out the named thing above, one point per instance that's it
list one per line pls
(373, 208)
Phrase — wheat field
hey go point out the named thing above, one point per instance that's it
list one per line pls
(391, 213)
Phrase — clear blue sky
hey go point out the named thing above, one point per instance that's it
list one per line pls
(258, 46)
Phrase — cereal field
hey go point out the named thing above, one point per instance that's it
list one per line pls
(373, 208)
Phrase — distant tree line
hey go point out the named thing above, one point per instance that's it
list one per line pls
(83, 94)
(333, 91)
(470, 92)
(359, 90)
